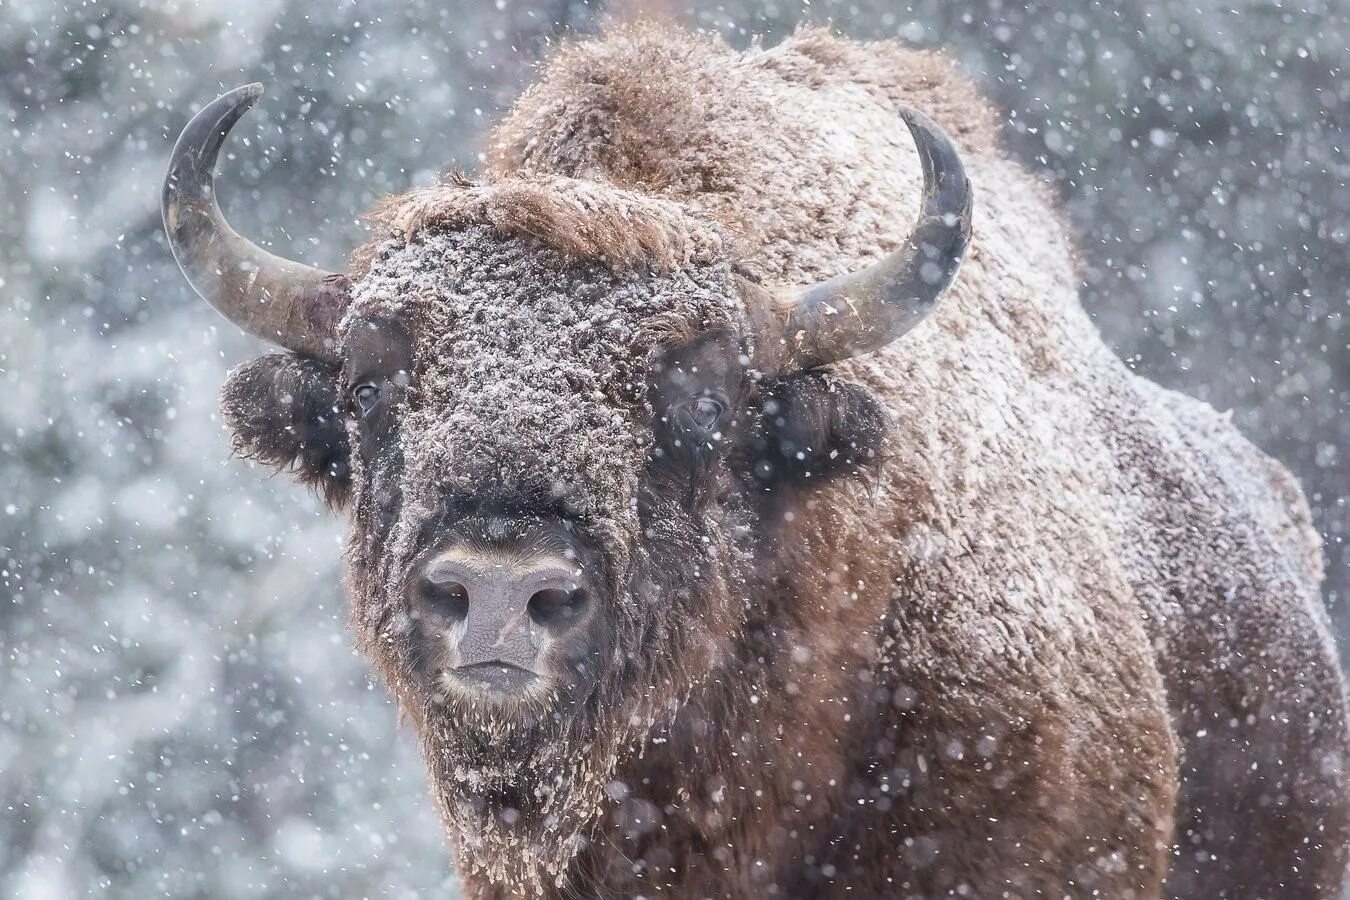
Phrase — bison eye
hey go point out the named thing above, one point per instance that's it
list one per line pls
(365, 396)
(704, 412)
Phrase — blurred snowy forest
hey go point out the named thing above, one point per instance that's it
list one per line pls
(180, 711)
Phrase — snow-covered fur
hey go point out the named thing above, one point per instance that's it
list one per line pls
(1062, 634)
(530, 392)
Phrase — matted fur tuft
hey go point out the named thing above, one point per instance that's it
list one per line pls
(282, 411)
(586, 220)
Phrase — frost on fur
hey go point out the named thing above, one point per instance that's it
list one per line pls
(1059, 620)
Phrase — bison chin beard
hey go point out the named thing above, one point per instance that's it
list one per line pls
(520, 786)
(518, 793)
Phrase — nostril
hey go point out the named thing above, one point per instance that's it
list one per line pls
(446, 599)
(556, 607)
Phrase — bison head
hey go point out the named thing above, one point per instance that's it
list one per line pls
(556, 415)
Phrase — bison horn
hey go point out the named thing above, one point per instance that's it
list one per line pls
(292, 305)
(866, 310)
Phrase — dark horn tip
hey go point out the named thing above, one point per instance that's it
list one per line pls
(912, 116)
(194, 153)
(947, 190)
(245, 93)
(232, 105)
(924, 129)
(230, 272)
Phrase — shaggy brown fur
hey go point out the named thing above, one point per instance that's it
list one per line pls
(1059, 634)
(579, 218)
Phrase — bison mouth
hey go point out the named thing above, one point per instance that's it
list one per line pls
(496, 681)
(496, 688)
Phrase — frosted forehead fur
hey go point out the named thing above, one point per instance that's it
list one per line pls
(531, 362)
(582, 219)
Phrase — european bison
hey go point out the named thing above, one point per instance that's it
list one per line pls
(706, 562)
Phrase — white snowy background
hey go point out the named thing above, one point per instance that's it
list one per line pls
(180, 711)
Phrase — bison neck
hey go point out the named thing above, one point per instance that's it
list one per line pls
(762, 770)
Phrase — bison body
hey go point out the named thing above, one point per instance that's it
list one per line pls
(1070, 633)
(980, 613)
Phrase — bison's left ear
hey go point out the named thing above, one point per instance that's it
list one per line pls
(283, 410)
(812, 425)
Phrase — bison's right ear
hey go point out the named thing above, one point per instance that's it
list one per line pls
(284, 411)
(812, 425)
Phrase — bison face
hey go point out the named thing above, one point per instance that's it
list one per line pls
(523, 431)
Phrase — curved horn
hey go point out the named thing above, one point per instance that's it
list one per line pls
(864, 311)
(284, 302)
